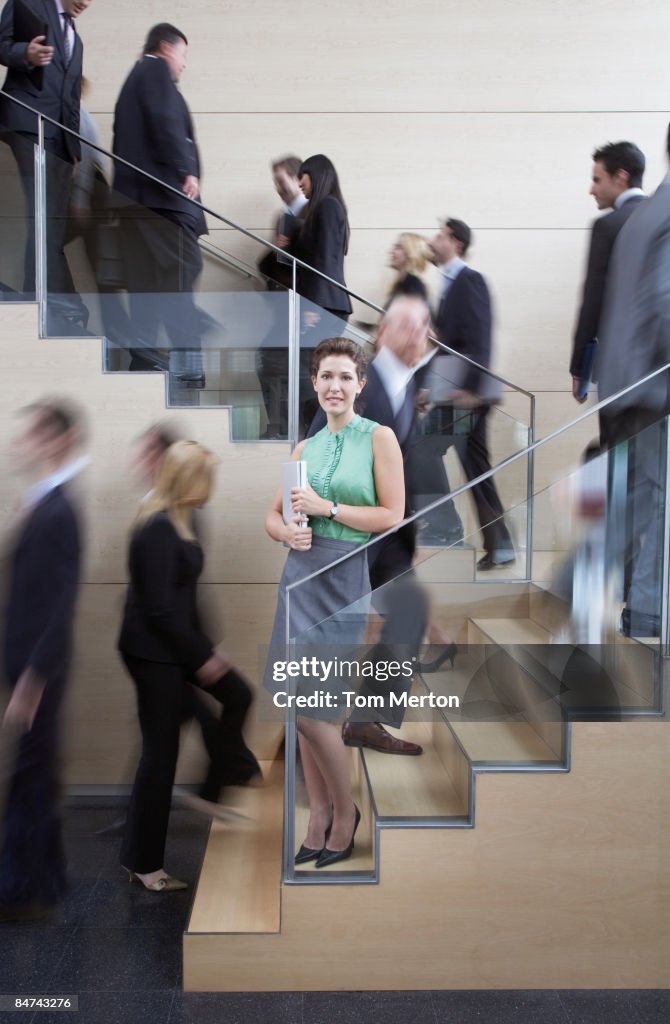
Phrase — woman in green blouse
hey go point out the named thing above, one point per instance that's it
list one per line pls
(355, 488)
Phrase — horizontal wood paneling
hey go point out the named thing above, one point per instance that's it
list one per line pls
(485, 55)
(503, 170)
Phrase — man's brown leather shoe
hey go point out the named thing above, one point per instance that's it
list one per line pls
(375, 736)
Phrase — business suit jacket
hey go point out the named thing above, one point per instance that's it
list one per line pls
(463, 322)
(277, 273)
(153, 129)
(603, 236)
(634, 335)
(44, 579)
(59, 97)
(321, 243)
(410, 284)
(160, 619)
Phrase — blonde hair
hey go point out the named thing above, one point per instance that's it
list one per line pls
(416, 250)
(185, 479)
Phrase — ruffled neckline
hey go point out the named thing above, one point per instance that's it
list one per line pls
(338, 433)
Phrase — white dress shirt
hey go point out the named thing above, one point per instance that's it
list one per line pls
(297, 204)
(449, 271)
(395, 376)
(625, 196)
(38, 492)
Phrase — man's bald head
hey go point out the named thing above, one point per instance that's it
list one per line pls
(404, 328)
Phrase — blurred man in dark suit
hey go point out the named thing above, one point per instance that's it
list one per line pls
(56, 59)
(634, 340)
(43, 585)
(616, 185)
(287, 224)
(153, 129)
(463, 322)
(272, 355)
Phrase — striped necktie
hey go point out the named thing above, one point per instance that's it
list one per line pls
(405, 415)
(68, 35)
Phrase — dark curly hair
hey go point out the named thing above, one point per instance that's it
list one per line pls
(339, 347)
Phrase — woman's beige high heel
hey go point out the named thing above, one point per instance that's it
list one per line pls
(165, 884)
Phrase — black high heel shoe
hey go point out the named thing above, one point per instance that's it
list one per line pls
(328, 857)
(306, 853)
(448, 653)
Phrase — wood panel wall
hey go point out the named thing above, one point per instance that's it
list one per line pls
(488, 111)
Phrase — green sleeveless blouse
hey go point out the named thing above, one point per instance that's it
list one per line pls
(339, 468)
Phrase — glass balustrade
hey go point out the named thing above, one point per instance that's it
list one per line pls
(487, 670)
(538, 592)
(220, 319)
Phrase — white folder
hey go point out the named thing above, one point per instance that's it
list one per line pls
(293, 474)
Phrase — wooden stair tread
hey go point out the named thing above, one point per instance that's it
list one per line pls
(413, 787)
(502, 742)
(633, 669)
(445, 565)
(513, 631)
(239, 886)
(486, 731)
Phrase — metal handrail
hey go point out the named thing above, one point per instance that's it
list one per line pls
(503, 464)
(257, 238)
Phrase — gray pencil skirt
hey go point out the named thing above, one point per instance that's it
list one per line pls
(327, 615)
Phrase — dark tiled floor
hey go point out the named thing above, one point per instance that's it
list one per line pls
(119, 949)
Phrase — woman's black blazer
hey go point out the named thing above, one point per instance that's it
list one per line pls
(321, 243)
(160, 619)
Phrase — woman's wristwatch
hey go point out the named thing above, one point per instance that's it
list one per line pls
(333, 510)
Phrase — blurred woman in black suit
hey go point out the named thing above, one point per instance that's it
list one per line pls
(322, 242)
(165, 651)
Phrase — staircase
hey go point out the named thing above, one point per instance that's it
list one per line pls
(524, 849)
(521, 850)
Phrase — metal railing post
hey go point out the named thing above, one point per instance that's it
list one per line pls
(530, 500)
(41, 269)
(293, 360)
(290, 756)
(665, 584)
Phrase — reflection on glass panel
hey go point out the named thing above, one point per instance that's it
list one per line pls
(609, 515)
(499, 670)
(166, 302)
(17, 204)
(489, 519)
(451, 446)
(582, 638)
(210, 311)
